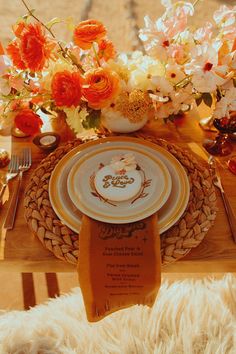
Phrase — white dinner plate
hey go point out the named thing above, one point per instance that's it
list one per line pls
(168, 215)
(152, 195)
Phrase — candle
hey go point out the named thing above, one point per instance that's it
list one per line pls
(47, 140)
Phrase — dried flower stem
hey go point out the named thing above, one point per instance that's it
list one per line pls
(47, 28)
(195, 3)
(96, 55)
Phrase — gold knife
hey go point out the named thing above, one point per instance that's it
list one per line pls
(217, 182)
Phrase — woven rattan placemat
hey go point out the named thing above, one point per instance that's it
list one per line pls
(186, 234)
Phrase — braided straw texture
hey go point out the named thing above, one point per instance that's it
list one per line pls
(186, 234)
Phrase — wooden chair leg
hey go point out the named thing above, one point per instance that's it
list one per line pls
(28, 290)
(52, 284)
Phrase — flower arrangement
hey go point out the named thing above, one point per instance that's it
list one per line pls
(87, 80)
(199, 64)
(84, 78)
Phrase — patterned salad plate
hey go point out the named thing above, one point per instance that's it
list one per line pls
(163, 186)
(106, 195)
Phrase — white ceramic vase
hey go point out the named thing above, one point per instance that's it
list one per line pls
(117, 123)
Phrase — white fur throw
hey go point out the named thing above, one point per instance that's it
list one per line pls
(190, 317)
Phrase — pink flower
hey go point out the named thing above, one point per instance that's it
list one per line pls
(155, 38)
(175, 24)
(5, 88)
(180, 7)
(204, 33)
(16, 82)
(225, 16)
(176, 51)
(176, 16)
(227, 103)
(204, 68)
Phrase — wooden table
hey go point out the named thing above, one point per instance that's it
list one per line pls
(22, 252)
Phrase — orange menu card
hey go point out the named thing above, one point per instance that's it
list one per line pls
(119, 265)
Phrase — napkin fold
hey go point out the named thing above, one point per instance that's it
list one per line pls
(119, 265)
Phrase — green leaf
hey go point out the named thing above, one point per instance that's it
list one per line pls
(198, 100)
(52, 22)
(92, 120)
(207, 99)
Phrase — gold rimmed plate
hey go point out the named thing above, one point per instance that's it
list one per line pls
(168, 214)
(155, 185)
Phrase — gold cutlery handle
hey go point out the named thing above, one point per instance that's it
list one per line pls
(230, 215)
(10, 219)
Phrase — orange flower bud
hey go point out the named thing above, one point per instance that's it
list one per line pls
(106, 50)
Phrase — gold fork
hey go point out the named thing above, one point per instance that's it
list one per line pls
(24, 165)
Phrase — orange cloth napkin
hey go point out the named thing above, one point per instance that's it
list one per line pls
(119, 265)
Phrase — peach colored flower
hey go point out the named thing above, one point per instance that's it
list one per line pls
(87, 32)
(100, 87)
(16, 82)
(106, 50)
(28, 121)
(66, 88)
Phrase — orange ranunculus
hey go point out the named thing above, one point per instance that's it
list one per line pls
(66, 88)
(87, 32)
(31, 49)
(28, 122)
(101, 86)
(106, 50)
(13, 50)
(34, 47)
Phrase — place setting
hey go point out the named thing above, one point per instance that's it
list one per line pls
(119, 186)
(111, 194)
